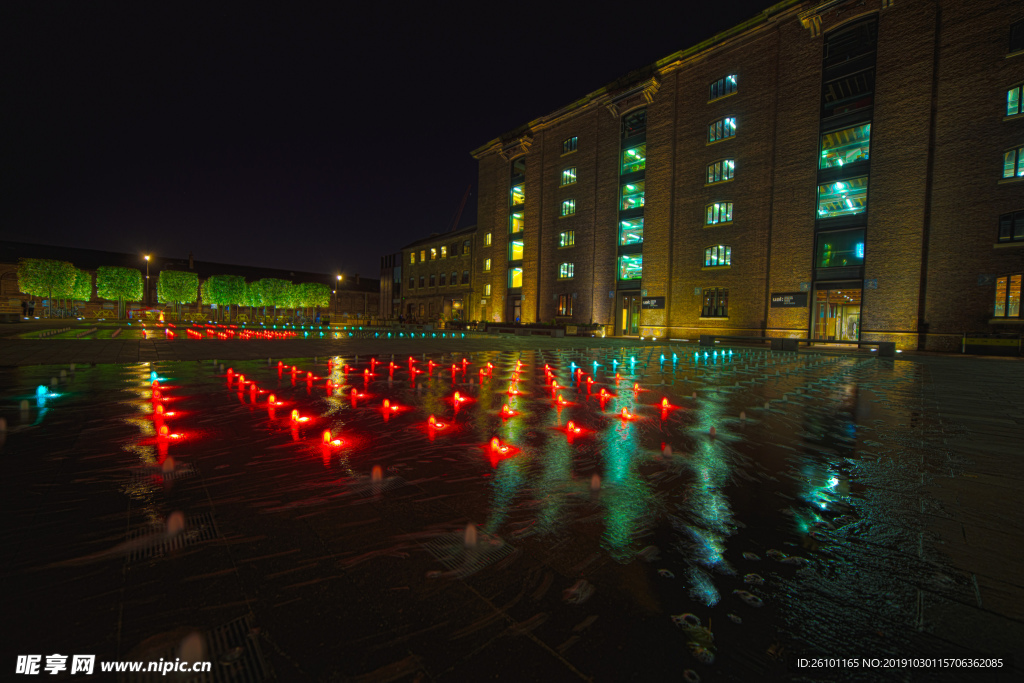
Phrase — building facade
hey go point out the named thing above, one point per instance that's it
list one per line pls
(437, 277)
(847, 170)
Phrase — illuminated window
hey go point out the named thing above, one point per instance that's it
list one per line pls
(634, 159)
(440, 280)
(412, 257)
(631, 267)
(838, 249)
(1014, 105)
(569, 145)
(632, 195)
(718, 255)
(487, 290)
(465, 247)
(1011, 227)
(567, 238)
(487, 264)
(720, 171)
(722, 129)
(568, 176)
(1013, 163)
(719, 212)
(565, 270)
(568, 207)
(423, 281)
(634, 123)
(722, 87)
(843, 197)
(515, 277)
(515, 251)
(433, 253)
(433, 280)
(444, 252)
(487, 239)
(716, 303)
(515, 222)
(1007, 303)
(631, 231)
(846, 146)
(564, 304)
(518, 195)
(465, 277)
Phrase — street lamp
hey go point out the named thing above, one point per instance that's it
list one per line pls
(147, 279)
(336, 295)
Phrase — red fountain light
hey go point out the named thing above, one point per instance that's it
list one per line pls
(571, 429)
(513, 390)
(434, 424)
(507, 412)
(298, 418)
(626, 415)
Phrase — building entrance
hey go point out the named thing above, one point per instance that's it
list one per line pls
(836, 315)
(629, 314)
(514, 308)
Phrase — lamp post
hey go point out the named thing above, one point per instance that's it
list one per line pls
(336, 295)
(146, 298)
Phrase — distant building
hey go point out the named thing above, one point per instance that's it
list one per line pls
(840, 170)
(390, 286)
(353, 297)
(436, 277)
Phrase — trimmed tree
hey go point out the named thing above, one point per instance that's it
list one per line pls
(119, 284)
(83, 287)
(45, 278)
(253, 296)
(275, 293)
(177, 287)
(313, 295)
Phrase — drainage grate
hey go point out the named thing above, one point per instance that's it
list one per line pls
(450, 550)
(233, 649)
(149, 544)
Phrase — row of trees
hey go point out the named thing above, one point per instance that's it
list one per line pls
(53, 279)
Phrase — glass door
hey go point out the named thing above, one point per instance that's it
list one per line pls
(515, 308)
(629, 320)
(836, 315)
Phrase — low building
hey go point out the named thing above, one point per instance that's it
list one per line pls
(437, 276)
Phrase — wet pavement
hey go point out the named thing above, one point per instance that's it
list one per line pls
(777, 507)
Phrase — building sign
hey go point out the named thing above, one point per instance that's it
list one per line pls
(652, 302)
(789, 300)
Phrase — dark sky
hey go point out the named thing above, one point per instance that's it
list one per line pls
(314, 136)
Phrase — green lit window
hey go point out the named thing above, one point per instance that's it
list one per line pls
(722, 87)
(515, 251)
(1007, 304)
(515, 222)
(632, 195)
(412, 257)
(487, 239)
(631, 231)
(838, 249)
(716, 303)
(565, 270)
(720, 171)
(722, 129)
(846, 146)
(564, 304)
(440, 279)
(568, 207)
(569, 176)
(719, 212)
(518, 195)
(1013, 163)
(1014, 105)
(631, 267)
(567, 238)
(569, 145)
(487, 264)
(718, 255)
(515, 277)
(843, 197)
(1011, 227)
(634, 158)
(487, 290)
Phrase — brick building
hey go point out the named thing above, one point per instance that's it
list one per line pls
(844, 170)
(437, 277)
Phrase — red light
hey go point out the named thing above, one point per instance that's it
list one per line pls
(618, 377)
(458, 398)
(571, 428)
(159, 410)
(626, 415)
(230, 372)
(309, 376)
(636, 387)
(507, 411)
(163, 431)
(434, 423)
(664, 403)
(327, 437)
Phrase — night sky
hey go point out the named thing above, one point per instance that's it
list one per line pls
(312, 136)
